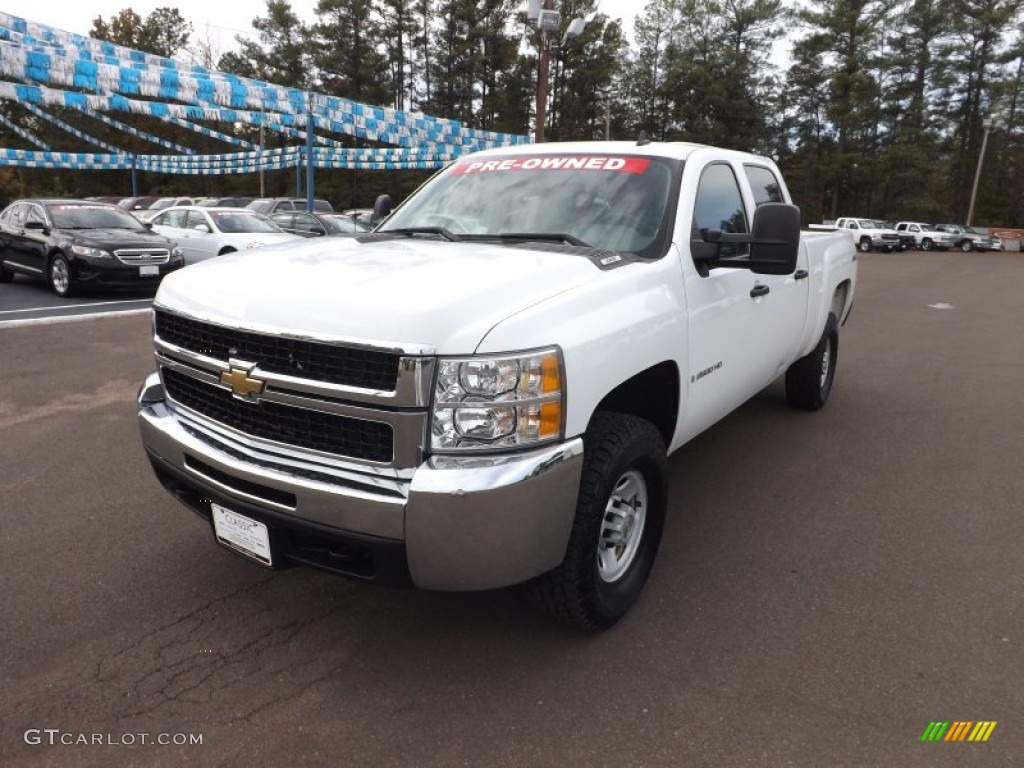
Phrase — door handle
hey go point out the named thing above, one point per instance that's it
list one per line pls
(800, 274)
(759, 290)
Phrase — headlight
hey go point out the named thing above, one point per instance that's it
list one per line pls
(506, 401)
(175, 252)
(93, 253)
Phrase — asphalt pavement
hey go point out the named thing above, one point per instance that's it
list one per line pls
(828, 584)
(27, 301)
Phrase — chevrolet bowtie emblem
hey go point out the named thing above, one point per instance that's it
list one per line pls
(242, 384)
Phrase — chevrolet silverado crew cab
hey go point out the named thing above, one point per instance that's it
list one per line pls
(868, 234)
(926, 237)
(483, 391)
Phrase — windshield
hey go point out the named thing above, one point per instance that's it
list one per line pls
(93, 217)
(243, 221)
(616, 202)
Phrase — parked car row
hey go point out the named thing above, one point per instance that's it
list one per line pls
(873, 234)
(74, 244)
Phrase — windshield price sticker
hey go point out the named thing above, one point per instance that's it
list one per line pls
(637, 165)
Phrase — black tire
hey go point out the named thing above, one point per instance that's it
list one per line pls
(58, 274)
(620, 451)
(224, 251)
(967, 246)
(864, 245)
(5, 276)
(927, 244)
(809, 379)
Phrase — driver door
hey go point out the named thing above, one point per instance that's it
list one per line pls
(743, 327)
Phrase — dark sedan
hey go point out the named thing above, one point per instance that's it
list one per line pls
(73, 244)
(318, 224)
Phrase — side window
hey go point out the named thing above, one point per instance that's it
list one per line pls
(173, 219)
(34, 213)
(306, 223)
(763, 184)
(16, 216)
(852, 225)
(719, 205)
(193, 218)
(283, 220)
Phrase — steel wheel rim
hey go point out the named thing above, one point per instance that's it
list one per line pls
(622, 526)
(826, 363)
(59, 275)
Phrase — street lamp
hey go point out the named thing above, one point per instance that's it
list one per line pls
(989, 124)
(547, 19)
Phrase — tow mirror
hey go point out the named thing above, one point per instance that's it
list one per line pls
(381, 209)
(774, 242)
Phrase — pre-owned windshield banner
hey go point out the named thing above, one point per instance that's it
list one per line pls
(637, 165)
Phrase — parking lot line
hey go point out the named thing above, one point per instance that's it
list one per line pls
(54, 319)
(72, 306)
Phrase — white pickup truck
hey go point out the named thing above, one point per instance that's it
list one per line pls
(868, 234)
(483, 391)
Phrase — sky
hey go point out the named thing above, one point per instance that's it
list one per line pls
(215, 22)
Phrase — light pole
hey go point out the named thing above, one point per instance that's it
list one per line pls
(989, 124)
(542, 13)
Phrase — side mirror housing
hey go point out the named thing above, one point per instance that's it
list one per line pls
(774, 243)
(201, 228)
(381, 209)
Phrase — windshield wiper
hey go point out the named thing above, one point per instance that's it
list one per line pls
(447, 235)
(520, 237)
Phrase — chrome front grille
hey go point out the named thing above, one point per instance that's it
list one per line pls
(308, 402)
(309, 359)
(306, 428)
(142, 256)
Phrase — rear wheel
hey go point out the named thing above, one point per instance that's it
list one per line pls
(59, 274)
(809, 379)
(620, 513)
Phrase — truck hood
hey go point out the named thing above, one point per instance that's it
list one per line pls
(421, 295)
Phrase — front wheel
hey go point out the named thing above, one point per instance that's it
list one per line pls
(620, 513)
(927, 245)
(864, 245)
(967, 246)
(809, 379)
(60, 276)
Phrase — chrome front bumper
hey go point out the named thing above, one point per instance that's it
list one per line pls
(464, 523)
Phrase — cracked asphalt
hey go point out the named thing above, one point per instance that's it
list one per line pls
(828, 583)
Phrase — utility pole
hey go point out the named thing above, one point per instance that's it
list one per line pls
(988, 125)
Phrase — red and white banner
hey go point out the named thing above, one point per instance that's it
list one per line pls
(637, 165)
